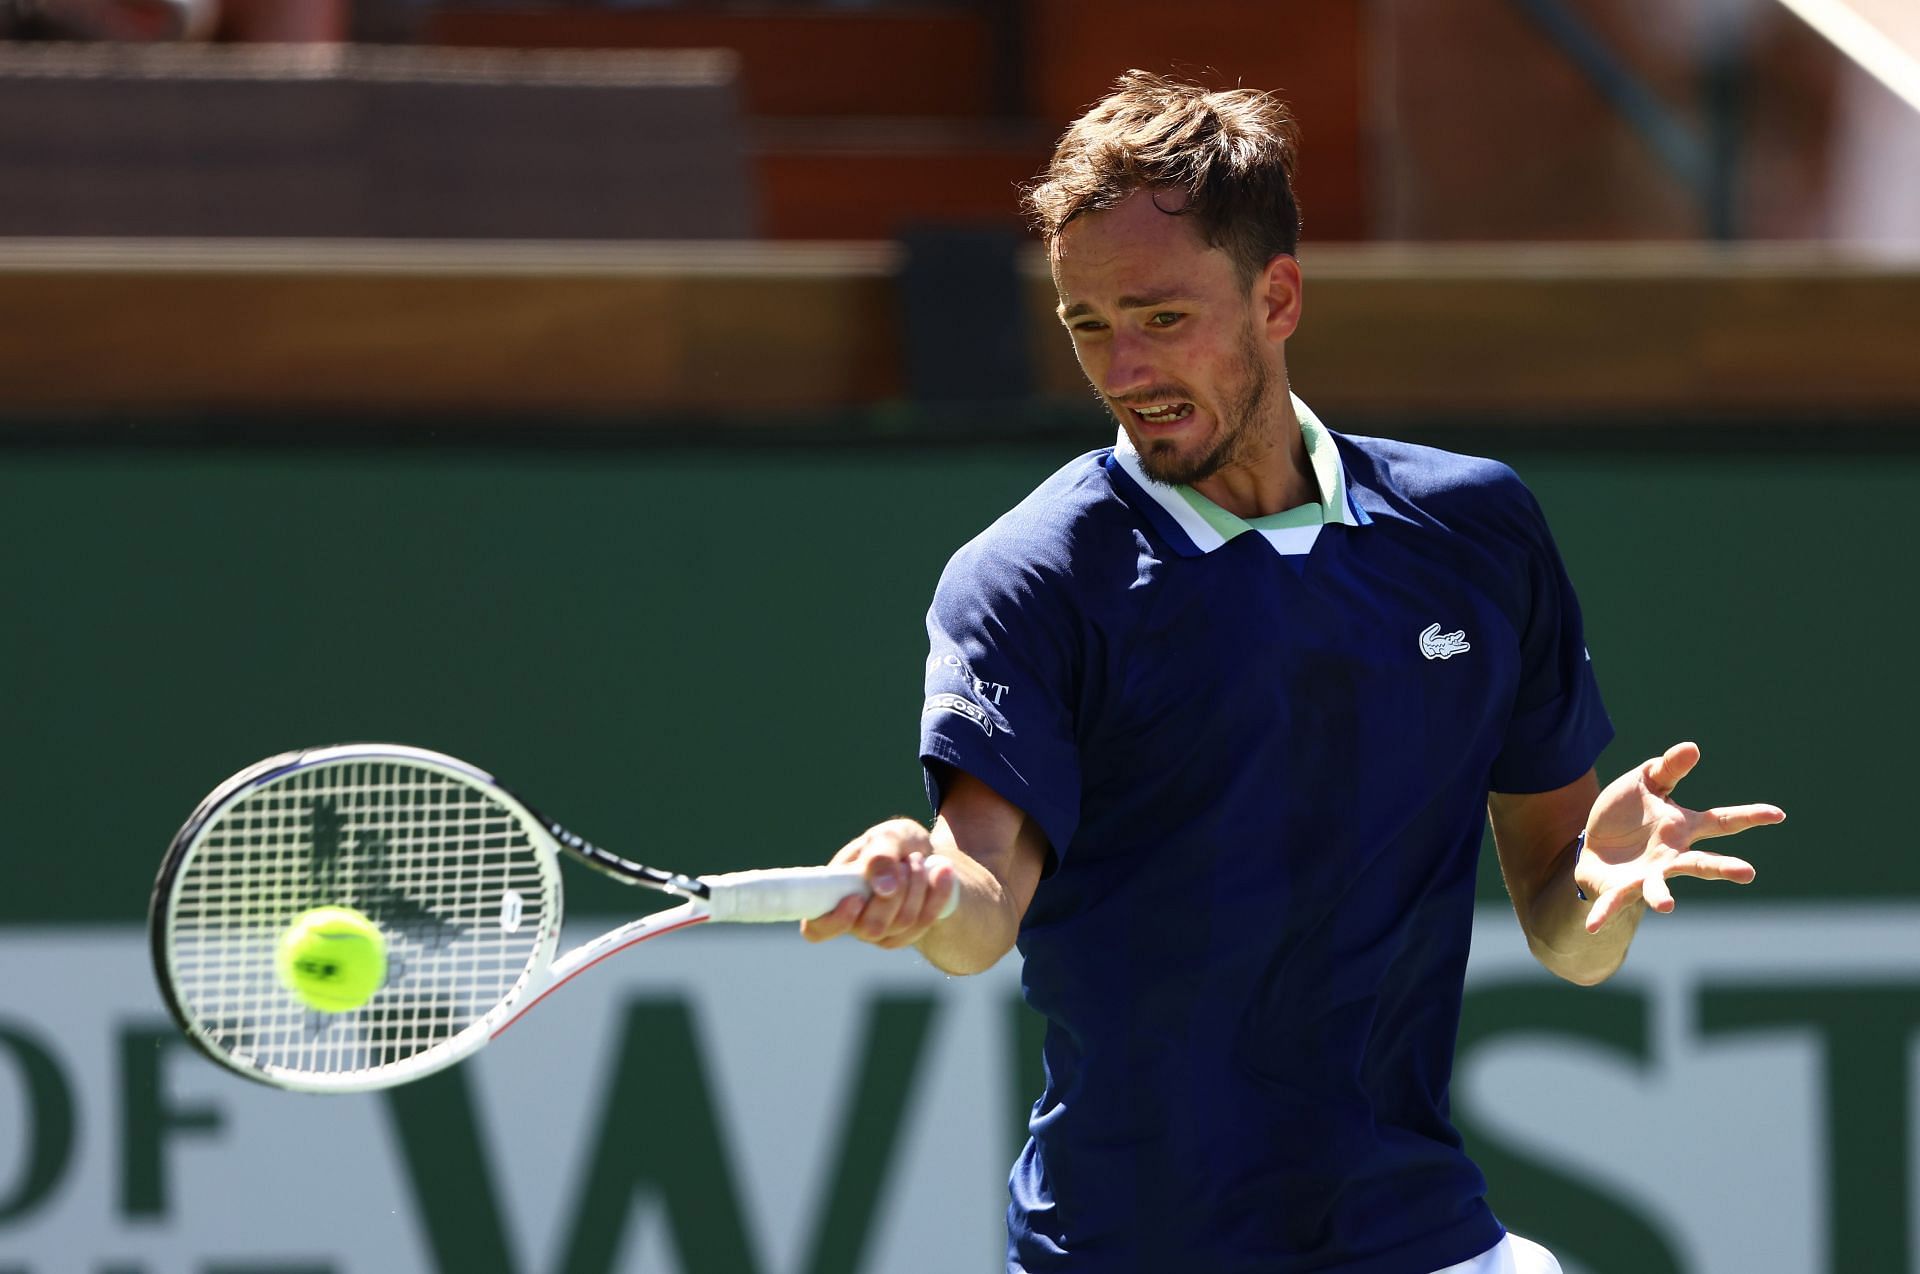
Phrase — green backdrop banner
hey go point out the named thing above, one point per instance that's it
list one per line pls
(711, 656)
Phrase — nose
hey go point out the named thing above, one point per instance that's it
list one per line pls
(1129, 368)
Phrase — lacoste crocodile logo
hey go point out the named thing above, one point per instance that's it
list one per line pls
(1435, 644)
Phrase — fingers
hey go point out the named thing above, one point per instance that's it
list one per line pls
(1652, 888)
(1697, 865)
(909, 888)
(1608, 905)
(1704, 866)
(905, 925)
(835, 923)
(1665, 771)
(1727, 820)
(878, 850)
(943, 879)
(928, 886)
(894, 883)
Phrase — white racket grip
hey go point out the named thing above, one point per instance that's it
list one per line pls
(788, 893)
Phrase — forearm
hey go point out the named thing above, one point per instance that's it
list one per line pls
(1534, 834)
(982, 928)
(982, 853)
(1555, 920)
(1636, 836)
(998, 855)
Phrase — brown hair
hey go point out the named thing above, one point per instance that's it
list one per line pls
(1230, 151)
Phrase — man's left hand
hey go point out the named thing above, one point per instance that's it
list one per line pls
(1638, 836)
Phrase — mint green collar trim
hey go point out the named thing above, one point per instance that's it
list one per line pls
(1291, 532)
(1324, 458)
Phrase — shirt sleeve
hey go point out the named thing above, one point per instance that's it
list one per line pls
(1000, 682)
(1559, 725)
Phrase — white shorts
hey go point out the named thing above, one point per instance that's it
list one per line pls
(1511, 1255)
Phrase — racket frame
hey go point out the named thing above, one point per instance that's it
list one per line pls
(775, 895)
(540, 976)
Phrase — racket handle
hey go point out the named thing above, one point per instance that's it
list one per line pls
(788, 893)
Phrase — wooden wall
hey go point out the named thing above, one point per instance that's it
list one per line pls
(775, 329)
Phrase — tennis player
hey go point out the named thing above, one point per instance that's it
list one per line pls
(1211, 721)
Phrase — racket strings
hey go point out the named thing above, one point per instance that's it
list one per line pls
(462, 896)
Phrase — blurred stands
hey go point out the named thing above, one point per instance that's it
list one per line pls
(339, 141)
(142, 21)
(862, 122)
(768, 187)
(1622, 119)
(869, 121)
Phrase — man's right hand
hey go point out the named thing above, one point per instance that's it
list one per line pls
(981, 850)
(911, 887)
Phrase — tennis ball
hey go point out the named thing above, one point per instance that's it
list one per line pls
(332, 958)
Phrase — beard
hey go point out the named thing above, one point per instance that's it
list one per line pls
(1238, 437)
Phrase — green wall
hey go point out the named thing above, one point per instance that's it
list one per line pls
(710, 657)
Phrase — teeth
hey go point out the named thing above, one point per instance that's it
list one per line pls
(1166, 412)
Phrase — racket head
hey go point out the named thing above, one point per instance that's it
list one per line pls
(460, 877)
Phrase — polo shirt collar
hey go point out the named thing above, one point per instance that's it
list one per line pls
(1205, 526)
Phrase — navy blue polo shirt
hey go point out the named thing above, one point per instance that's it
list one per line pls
(1260, 754)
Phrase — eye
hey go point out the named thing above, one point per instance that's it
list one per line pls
(1165, 318)
(1087, 325)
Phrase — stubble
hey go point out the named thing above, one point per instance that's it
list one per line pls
(1241, 439)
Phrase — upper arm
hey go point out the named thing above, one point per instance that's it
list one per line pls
(992, 831)
(1530, 829)
(1004, 640)
(1558, 720)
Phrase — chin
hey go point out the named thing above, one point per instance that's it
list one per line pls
(1180, 461)
(1171, 466)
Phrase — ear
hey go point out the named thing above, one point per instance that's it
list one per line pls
(1276, 297)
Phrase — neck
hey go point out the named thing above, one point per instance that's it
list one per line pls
(1272, 476)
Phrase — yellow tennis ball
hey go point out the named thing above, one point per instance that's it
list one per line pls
(332, 958)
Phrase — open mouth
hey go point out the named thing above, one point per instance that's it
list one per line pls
(1164, 413)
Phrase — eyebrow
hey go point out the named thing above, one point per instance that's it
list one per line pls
(1144, 301)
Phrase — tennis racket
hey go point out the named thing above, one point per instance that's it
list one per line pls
(461, 877)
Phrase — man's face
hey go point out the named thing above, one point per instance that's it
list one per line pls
(1168, 335)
